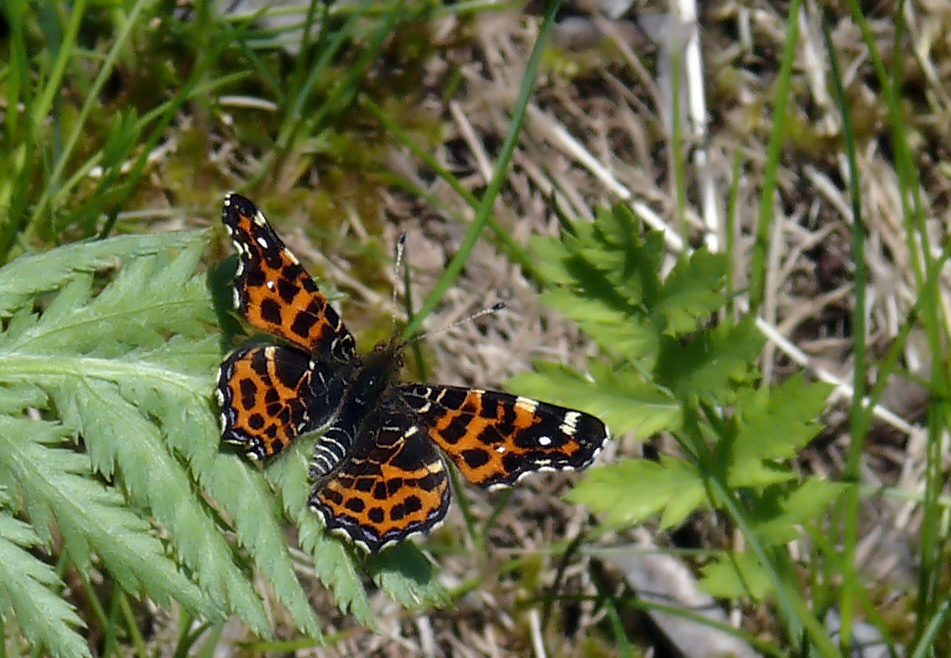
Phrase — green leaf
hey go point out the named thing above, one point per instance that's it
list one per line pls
(29, 275)
(736, 575)
(692, 291)
(116, 433)
(630, 261)
(767, 426)
(245, 495)
(776, 423)
(616, 331)
(630, 491)
(408, 577)
(30, 587)
(712, 364)
(550, 257)
(334, 560)
(141, 400)
(783, 509)
(91, 517)
(623, 400)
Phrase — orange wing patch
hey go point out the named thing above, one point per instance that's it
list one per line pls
(272, 289)
(496, 438)
(393, 487)
(264, 393)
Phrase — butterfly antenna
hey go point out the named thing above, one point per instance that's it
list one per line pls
(495, 308)
(398, 263)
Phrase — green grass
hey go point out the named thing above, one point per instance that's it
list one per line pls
(113, 486)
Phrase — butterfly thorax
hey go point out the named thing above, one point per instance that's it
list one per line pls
(371, 390)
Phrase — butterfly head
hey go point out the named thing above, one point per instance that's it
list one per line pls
(381, 367)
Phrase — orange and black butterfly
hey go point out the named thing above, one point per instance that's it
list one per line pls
(378, 475)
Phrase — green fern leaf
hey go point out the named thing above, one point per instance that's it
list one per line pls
(116, 433)
(244, 494)
(141, 400)
(90, 516)
(30, 587)
(334, 562)
(84, 352)
(27, 276)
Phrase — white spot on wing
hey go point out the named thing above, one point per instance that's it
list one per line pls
(570, 424)
(270, 285)
(259, 219)
(527, 404)
(500, 449)
(544, 440)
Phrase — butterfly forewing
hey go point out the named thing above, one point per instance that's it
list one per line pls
(496, 438)
(269, 395)
(274, 292)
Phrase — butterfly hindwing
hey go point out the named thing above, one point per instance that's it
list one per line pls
(496, 438)
(270, 394)
(393, 485)
(274, 292)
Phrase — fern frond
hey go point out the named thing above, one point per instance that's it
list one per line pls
(116, 434)
(92, 518)
(29, 275)
(29, 587)
(139, 400)
(243, 493)
(334, 563)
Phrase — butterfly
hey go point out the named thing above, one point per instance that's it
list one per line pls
(378, 474)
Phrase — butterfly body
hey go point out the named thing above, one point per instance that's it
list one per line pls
(377, 471)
